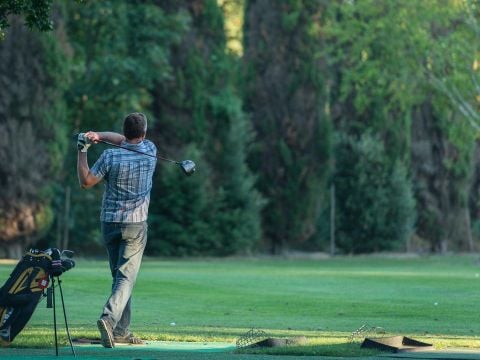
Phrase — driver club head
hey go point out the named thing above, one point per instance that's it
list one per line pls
(188, 167)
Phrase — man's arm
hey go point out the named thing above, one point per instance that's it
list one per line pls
(85, 177)
(113, 137)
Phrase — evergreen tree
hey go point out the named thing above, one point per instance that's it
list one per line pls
(285, 95)
(180, 224)
(375, 204)
(198, 107)
(238, 203)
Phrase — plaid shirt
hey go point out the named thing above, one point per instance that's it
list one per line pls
(128, 181)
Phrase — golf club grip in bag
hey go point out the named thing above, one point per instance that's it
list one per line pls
(23, 290)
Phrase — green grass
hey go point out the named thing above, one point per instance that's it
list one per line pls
(324, 300)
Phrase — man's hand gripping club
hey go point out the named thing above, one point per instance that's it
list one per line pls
(84, 141)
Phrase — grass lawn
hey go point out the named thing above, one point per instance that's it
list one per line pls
(434, 299)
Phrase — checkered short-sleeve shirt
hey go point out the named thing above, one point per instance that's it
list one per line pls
(128, 181)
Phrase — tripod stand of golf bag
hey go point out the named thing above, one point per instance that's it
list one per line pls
(58, 268)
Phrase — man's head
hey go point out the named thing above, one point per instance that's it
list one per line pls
(135, 126)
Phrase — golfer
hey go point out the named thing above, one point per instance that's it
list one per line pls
(128, 181)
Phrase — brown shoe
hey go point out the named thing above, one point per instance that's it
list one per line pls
(106, 333)
(128, 339)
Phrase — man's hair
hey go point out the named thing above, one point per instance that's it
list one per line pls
(135, 126)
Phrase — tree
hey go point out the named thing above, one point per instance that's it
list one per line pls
(375, 204)
(180, 220)
(381, 56)
(199, 108)
(32, 76)
(285, 95)
(455, 76)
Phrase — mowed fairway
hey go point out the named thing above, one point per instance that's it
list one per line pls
(432, 298)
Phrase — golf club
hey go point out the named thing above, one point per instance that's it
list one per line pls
(188, 166)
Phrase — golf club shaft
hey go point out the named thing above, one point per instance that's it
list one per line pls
(137, 151)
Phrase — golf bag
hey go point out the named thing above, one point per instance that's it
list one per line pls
(26, 285)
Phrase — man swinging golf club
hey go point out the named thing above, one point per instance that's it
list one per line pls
(128, 181)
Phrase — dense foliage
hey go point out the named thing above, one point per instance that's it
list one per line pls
(383, 85)
(32, 133)
(347, 122)
(285, 93)
(119, 51)
(35, 12)
(375, 205)
(199, 109)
